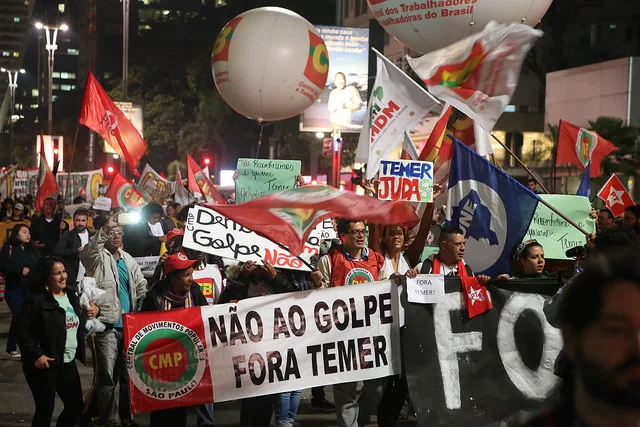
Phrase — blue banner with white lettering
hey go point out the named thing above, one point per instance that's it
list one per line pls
(492, 209)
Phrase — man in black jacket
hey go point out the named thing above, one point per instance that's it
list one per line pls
(71, 244)
(145, 238)
(45, 228)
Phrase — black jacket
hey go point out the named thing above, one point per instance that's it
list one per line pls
(13, 260)
(40, 328)
(138, 241)
(67, 249)
(152, 299)
(45, 232)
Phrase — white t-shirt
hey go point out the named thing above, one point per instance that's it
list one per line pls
(84, 239)
(210, 281)
(338, 98)
(387, 271)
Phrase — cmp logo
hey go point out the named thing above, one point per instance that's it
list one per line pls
(166, 360)
(221, 46)
(480, 212)
(357, 276)
(129, 195)
(463, 77)
(585, 144)
(317, 67)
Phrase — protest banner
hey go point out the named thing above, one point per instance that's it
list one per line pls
(260, 177)
(147, 265)
(262, 346)
(211, 232)
(86, 183)
(486, 370)
(554, 233)
(408, 180)
(325, 230)
(154, 185)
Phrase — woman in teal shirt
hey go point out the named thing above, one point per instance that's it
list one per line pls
(50, 333)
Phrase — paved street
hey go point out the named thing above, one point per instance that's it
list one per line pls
(16, 403)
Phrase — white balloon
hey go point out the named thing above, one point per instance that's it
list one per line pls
(427, 25)
(269, 64)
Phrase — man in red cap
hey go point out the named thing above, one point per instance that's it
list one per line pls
(173, 244)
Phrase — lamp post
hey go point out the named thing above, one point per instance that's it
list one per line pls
(51, 46)
(13, 85)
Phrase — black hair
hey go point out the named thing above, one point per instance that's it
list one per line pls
(449, 230)
(79, 199)
(13, 237)
(634, 210)
(525, 251)
(182, 215)
(81, 212)
(383, 245)
(343, 225)
(608, 212)
(342, 74)
(42, 271)
(614, 238)
(531, 179)
(8, 200)
(151, 209)
(581, 301)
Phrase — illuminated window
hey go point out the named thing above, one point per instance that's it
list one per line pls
(55, 87)
(16, 54)
(33, 106)
(16, 19)
(19, 107)
(510, 109)
(61, 8)
(34, 92)
(56, 74)
(67, 76)
(5, 53)
(67, 87)
(73, 52)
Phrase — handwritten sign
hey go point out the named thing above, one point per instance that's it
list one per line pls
(211, 232)
(426, 289)
(407, 180)
(261, 177)
(147, 265)
(325, 230)
(554, 233)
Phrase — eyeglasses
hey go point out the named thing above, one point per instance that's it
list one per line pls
(115, 233)
(362, 232)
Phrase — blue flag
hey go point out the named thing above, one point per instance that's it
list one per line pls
(493, 209)
(585, 184)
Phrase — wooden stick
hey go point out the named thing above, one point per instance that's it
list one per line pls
(520, 161)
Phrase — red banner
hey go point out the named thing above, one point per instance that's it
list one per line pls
(167, 360)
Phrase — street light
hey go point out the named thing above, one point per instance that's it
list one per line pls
(51, 46)
(13, 85)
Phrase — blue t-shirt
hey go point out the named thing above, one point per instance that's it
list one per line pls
(125, 296)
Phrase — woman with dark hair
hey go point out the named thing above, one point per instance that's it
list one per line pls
(16, 260)
(528, 262)
(50, 333)
(176, 290)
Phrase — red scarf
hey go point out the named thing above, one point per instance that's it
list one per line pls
(462, 270)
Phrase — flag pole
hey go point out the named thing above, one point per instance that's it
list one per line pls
(75, 141)
(554, 171)
(520, 162)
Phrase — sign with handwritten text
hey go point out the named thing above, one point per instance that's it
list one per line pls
(408, 180)
(261, 177)
(325, 230)
(554, 233)
(213, 233)
(426, 289)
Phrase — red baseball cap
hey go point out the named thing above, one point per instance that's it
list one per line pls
(177, 261)
(172, 234)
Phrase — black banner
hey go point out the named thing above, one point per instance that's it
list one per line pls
(482, 371)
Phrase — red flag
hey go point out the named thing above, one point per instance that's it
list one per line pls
(47, 184)
(578, 146)
(125, 194)
(167, 356)
(199, 183)
(476, 296)
(615, 196)
(289, 217)
(100, 114)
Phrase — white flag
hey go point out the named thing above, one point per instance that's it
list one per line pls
(409, 147)
(397, 104)
(478, 74)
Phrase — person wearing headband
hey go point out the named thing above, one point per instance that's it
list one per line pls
(529, 261)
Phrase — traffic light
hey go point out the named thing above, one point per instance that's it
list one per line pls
(206, 160)
(109, 171)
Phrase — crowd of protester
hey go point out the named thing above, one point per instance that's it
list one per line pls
(44, 264)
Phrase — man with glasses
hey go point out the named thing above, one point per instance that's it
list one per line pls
(350, 264)
(119, 275)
